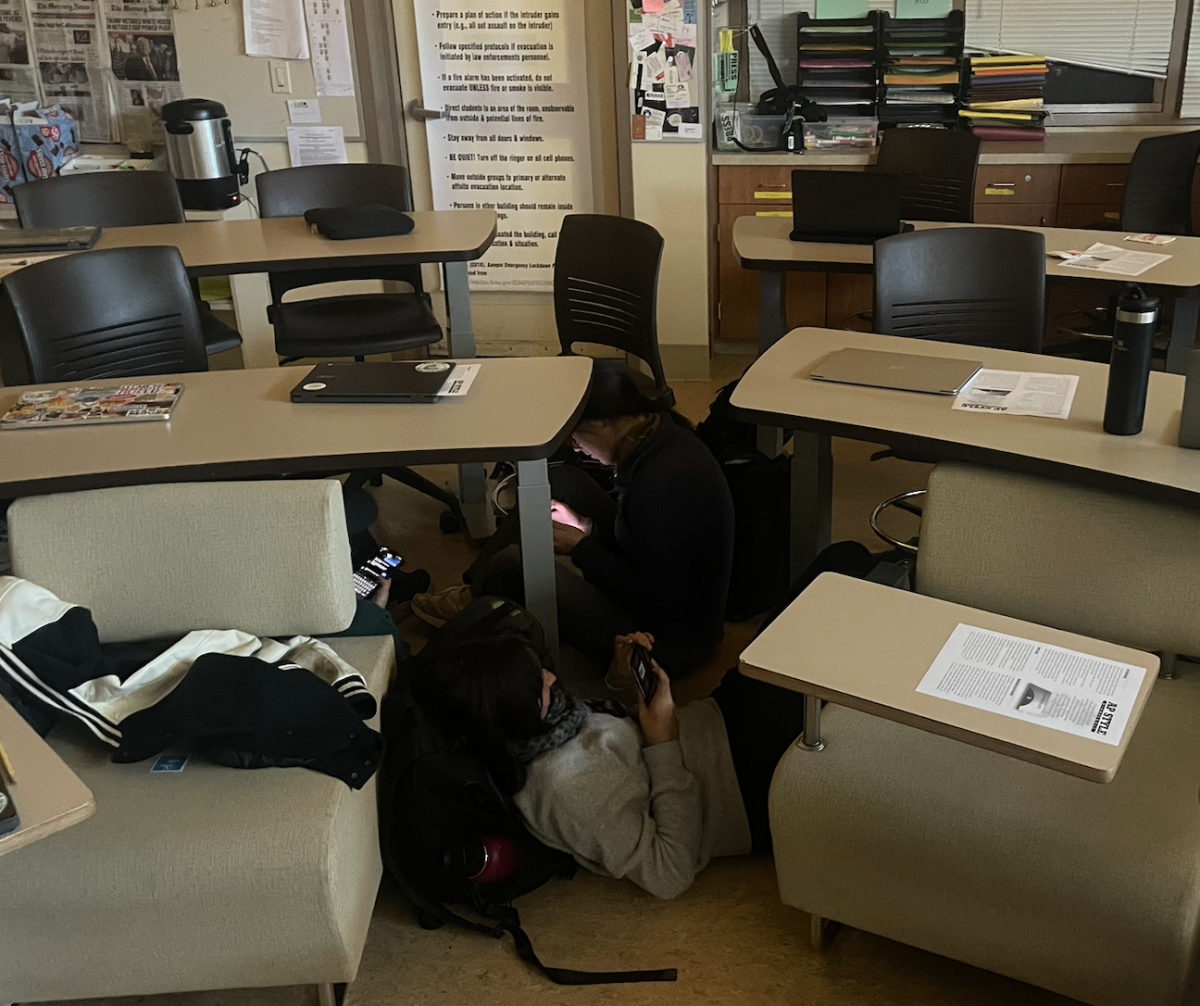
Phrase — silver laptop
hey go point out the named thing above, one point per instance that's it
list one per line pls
(934, 375)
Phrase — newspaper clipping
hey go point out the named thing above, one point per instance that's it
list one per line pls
(144, 66)
(18, 77)
(70, 62)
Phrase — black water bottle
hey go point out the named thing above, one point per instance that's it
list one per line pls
(1129, 369)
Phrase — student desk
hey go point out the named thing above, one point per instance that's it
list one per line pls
(762, 243)
(778, 392)
(242, 424)
(868, 646)
(48, 795)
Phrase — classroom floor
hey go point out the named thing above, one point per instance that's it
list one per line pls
(729, 936)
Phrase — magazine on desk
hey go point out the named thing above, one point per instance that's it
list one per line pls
(89, 406)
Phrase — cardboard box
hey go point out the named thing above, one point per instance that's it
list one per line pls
(34, 143)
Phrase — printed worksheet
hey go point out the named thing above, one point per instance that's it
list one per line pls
(1019, 393)
(1075, 693)
(1111, 259)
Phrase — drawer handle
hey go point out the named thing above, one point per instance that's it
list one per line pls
(774, 185)
(1114, 185)
(1002, 185)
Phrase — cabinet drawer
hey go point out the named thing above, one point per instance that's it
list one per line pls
(771, 183)
(1092, 183)
(1016, 214)
(1016, 184)
(1090, 216)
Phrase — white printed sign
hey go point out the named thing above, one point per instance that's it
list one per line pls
(514, 133)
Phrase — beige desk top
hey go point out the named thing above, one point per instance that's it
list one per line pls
(228, 247)
(763, 243)
(868, 646)
(48, 795)
(777, 391)
(241, 423)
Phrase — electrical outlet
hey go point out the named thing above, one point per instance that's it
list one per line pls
(281, 76)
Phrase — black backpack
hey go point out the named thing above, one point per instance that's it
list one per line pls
(761, 491)
(437, 797)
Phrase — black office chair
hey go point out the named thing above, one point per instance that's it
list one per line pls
(937, 169)
(124, 312)
(117, 199)
(979, 286)
(606, 288)
(974, 286)
(1158, 200)
(358, 324)
(355, 325)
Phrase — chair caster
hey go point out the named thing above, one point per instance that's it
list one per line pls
(449, 522)
(427, 921)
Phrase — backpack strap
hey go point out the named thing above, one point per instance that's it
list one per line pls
(566, 976)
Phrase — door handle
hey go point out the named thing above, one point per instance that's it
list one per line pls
(419, 112)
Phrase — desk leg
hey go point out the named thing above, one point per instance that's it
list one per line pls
(812, 498)
(1183, 331)
(772, 326)
(772, 309)
(811, 740)
(537, 546)
(472, 479)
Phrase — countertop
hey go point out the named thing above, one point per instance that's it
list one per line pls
(1074, 145)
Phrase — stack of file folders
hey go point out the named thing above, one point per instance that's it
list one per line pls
(922, 69)
(1004, 97)
(838, 60)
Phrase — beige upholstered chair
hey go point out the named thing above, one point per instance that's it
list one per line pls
(1090, 890)
(213, 878)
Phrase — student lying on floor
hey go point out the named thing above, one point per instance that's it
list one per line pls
(652, 799)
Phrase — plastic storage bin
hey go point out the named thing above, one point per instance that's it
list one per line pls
(841, 134)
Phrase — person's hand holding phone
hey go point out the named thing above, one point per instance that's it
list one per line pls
(660, 725)
(620, 673)
(560, 513)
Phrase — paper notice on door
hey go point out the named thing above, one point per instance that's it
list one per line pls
(1016, 393)
(1111, 259)
(1060, 689)
(316, 145)
(275, 28)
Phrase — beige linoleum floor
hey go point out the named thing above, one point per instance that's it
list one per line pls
(730, 937)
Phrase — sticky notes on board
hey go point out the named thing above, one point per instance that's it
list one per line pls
(843, 8)
(923, 8)
(652, 6)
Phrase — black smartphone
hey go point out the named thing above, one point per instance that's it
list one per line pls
(643, 673)
(375, 570)
(9, 821)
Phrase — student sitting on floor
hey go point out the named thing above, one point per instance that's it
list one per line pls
(651, 799)
(658, 557)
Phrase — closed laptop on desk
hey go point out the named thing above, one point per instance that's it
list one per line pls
(933, 375)
(31, 240)
(845, 207)
(373, 382)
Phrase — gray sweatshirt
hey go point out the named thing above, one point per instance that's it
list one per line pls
(656, 815)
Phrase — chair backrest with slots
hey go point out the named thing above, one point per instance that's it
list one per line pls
(937, 170)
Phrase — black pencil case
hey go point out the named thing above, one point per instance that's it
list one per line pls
(343, 223)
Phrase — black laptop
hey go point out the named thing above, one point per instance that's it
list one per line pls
(846, 207)
(45, 240)
(373, 382)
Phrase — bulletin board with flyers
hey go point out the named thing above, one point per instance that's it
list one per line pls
(111, 64)
(665, 70)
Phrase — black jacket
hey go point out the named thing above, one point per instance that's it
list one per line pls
(300, 705)
(673, 550)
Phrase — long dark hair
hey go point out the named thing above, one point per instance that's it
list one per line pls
(486, 689)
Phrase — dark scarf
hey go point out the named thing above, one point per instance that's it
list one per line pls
(563, 721)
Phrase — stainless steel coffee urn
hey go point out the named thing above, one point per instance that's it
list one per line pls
(200, 153)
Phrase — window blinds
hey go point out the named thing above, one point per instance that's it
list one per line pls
(1189, 108)
(1130, 36)
(777, 20)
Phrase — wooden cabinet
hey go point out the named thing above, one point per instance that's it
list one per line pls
(1099, 184)
(1017, 214)
(1016, 184)
(738, 289)
(1090, 216)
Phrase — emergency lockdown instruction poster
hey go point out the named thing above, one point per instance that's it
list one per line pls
(510, 81)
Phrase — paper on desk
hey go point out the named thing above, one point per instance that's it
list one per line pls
(460, 380)
(1016, 393)
(1111, 259)
(316, 145)
(1065, 690)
